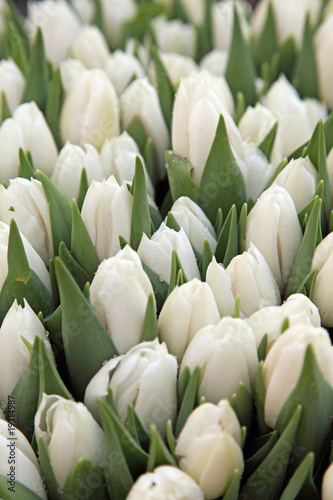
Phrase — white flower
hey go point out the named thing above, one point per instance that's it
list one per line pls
(220, 282)
(195, 10)
(70, 70)
(90, 47)
(84, 9)
(215, 62)
(115, 14)
(121, 68)
(177, 66)
(323, 43)
(174, 36)
(223, 22)
(12, 84)
(70, 433)
(119, 294)
(327, 483)
(322, 292)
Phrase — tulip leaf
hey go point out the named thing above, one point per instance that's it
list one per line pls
(172, 223)
(20, 491)
(149, 327)
(206, 259)
(26, 169)
(307, 285)
(278, 169)
(190, 400)
(166, 92)
(160, 286)
(222, 184)
(219, 222)
(47, 471)
(176, 266)
(98, 19)
(302, 263)
(227, 244)
(18, 265)
(170, 437)
(205, 32)
(308, 208)
(53, 106)
(242, 404)
(183, 381)
(84, 185)
(140, 222)
(155, 217)
(136, 27)
(302, 481)
(5, 111)
(79, 274)
(179, 176)
(37, 81)
(178, 11)
(233, 488)
(240, 73)
(158, 452)
(240, 107)
(252, 463)
(60, 212)
(87, 344)
(266, 44)
(288, 54)
(268, 143)
(242, 229)
(260, 400)
(17, 47)
(85, 480)
(267, 480)
(305, 70)
(270, 72)
(315, 395)
(136, 428)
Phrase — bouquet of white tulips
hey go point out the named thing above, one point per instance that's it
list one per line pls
(166, 242)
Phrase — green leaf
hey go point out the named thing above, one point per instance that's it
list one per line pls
(267, 42)
(222, 184)
(204, 32)
(190, 400)
(306, 211)
(155, 217)
(47, 471)
(85, 480)
(176, 266)
(178, 11)
(252, 463)
(268, 143)
(149, 327)
(136, 428)
(37, 82)
(233, 488)
(172, 223)
(158, 452)
(160, 286)
(140, 215)
(136, 27)
(260, 400)
(270, 72)
(306, 68)
(219, 222)
(138, 132)
(17, 47)
(236, 307)
(183, 381)
(5, 111)
(53, 106)
(26, 169)
(82, 247)
(287, 53)
(240, 107)
(179, 176)
(170, 437)
(278, 169)
(242, 404)
(84, 185)
(307, 285)
(20, 492)
(78, 273)
(166, 92)
(242, 229)
(227, 244)
(206, 259)
(302, 478)
(240, 73)
(87, 344)
(98, 18)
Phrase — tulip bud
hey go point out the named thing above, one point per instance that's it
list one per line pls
(327, 483)
(323, 43)
(284, 363)
(118, 158)
(107, 214)
(175, 36)
(27, 469)
(177, 67)
(140, 100)
(27, 129)
(253, 281)
(322, 292)
(215, 62)
(90, 47)
(67, 171)
(195, 10)
(115, 14)
(26, 203)
(12, 84)
(187, 309)
(228, 355)
(219, 281)
(166, 483)
(122, 68)
(223, 22)
(20, 325)
(209, 447)
(298, 309)
(195, 223)
(119, 294)
(70, 433)
(90, 112)
(59, 24)
(273, 227)
(146, 378)
(156, 252)
(84, 9)
(70, 70)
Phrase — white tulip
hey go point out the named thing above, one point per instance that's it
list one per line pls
(59, 24)
(115, 14)
(329, 162)
(69, 432)
(90, 112)
(227, 354)
(118, 158)
(273, 227)
(195, 10)
(27, 129)
(122, 68)
(215, 62)
(67, 170)
(146, 378)
(175, 36)
(298, 309)
(253, 281)
(195, 223)
(284, 363)
(156, 252)
(223, 22)
(90, 47)
(119, 294)
(209, 447)
(256, 169)
(140, 100)
(12, 84)
(107, 214)
(84, 9)
(165, 483)
(323, 43)
(327, 483)
(322, 292)
(25, 468)
(186, 310)
(20, 325)
(70, 70)
(219, 281)
(177, 66)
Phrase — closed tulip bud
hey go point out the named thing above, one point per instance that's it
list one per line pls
(119, 294)
(253, 281)
(280, 240)
(146, 378)
(140, 100)
(322, 292)
(215, 62)
(327, 484)
(300, 179)
(156, 252)
(297, 309)
(70, 70)
(115, 14)
(323, 43)
(223, 22)
(90, 112)
(284, 363)
(67, 170)
(209, 447)
(28, 472)
(195, 223)
(166, 483)
(118, 158)
(177, 66)
(70, 433)
(26, 203)
(27, 129)
(195, 10)
(60, 26)
(175, 36)
(12, 84)
(122, 68)
(84, 9)
(107, 214)
(19, 326)
(90, 47)
(220, 283)
(227, 353)
(187, 309)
